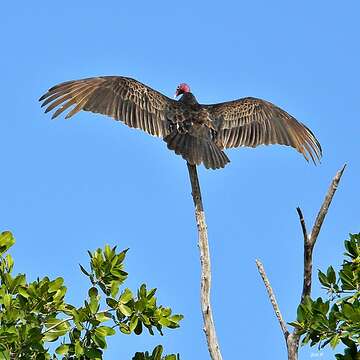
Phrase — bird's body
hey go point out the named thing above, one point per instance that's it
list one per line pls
(194, 135)
(197, 132)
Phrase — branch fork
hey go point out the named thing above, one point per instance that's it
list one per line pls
(292, 339)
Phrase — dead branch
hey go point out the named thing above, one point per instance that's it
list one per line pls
(310, 240)
(292, 339)
(272, 298)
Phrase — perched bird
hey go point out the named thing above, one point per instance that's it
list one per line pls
(197, 132)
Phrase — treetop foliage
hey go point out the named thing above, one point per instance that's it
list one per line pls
(34, 314)
(336, 318)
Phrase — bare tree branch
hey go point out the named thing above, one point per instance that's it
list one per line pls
(272, 298)
(310, 240)
(303, 225)
(308, 250)
(292, 339)
(209, 327)
(292, 345)
(325, 206)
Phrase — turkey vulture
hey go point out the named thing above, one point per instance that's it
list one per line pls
(197, 132)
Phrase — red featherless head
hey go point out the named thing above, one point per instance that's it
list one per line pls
(182, 89)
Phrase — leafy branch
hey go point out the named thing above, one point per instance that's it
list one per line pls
(34, 314)
(337, 318)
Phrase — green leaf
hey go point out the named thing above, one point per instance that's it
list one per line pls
(4, 355)
(53, 335)
(119, 274)
(142, 291)
(164, 321)
(353, 246)
(125, 310)
(99, 340)
(330, 274)
(104, 331)
(74, 334)
(103, 316)
(121, 256)
(347, 277)
(9, 262)
(94, 305)
(57, 324)
(114, 288)
(111, 303)
(23, 291)
(300, 313)
(63, 349)
(56, 284)
(348, 342)
(171, 357)
(145, 319)
(19, 280)
(84, 270)
(140, 305)
(166, 311)
(126, 296)
(7, 301)
(93, 353)
(306, 339)
(176, 318)
(93, 292)
(347, 310)
(296, 325)
(133, 323)
(157, 352)
(109, 253)
(151, 293)
(323, 279)
(6, 241)
(138, 329)
(335, 341)
(124, 329)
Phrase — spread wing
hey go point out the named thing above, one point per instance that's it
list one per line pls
(122, 98)
(253, 122)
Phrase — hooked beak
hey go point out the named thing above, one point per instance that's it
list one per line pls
(177, 93)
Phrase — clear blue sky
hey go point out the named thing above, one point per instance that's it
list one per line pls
(69, 186)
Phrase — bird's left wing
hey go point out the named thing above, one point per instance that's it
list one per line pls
(122, 98)
(252, 122)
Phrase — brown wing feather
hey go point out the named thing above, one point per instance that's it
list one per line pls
(253, 122)
(122, 98)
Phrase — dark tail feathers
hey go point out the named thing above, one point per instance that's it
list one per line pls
(196, 150)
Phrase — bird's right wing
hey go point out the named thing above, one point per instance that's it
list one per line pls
(122, 98)
(252, 122)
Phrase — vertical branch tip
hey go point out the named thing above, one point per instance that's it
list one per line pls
(272, 298)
